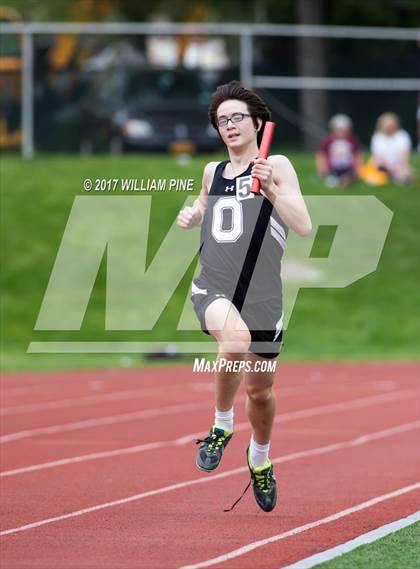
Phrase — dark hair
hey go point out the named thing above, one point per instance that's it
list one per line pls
(234, 90)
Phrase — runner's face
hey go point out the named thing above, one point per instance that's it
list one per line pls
(235, 135)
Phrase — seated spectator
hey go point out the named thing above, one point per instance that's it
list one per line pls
(339, 154)
(390, 147)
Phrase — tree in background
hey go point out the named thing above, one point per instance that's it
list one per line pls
(400, 13)
(312, 61)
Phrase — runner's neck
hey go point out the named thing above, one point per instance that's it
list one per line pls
(239, 165)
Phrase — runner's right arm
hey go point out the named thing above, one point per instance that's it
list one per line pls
(191, 216)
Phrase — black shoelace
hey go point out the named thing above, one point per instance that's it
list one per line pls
(239, 499)
(213, 441)
(263, 482)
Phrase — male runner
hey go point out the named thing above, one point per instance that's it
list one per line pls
(238, 295)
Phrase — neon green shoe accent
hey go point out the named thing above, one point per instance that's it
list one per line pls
(218, 440)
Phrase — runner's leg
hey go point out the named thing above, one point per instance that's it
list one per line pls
(225, 324)
(261, 401)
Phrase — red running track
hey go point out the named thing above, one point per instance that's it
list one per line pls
(98, 467)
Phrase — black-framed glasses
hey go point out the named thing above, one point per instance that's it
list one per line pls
(236, 117)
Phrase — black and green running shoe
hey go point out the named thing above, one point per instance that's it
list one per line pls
(211, 448)
(264, 484)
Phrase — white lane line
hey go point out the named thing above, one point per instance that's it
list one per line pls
(363, 539)
(353, 404)
(313, 374)
(89, 457)
(161, 411)
(80, 382)
(125, 394)
(86, 400)
(204, 480)
(300, 529)
(161, 444)
(186, 439)
(21, 380)
(109, 420)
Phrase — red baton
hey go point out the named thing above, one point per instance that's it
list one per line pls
(264, 150)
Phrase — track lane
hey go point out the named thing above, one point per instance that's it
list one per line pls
(275, 551)
(22, 388)
(105, 433)
(101, 479)
(315, 489)
(139, 533)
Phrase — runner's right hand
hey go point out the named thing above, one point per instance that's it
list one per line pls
(189, 217)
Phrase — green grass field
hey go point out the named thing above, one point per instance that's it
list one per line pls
(376, 318)
(400, 550)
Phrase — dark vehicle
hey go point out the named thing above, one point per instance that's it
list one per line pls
(126, 106)
(164, 111)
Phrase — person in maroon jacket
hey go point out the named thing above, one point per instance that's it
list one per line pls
(339, 155)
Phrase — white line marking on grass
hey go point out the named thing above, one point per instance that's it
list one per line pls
(363, 539)
(282, 459)
(161, 411)
(280, 536)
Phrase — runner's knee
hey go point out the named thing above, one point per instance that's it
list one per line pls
(235, 342)
(259, 394)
